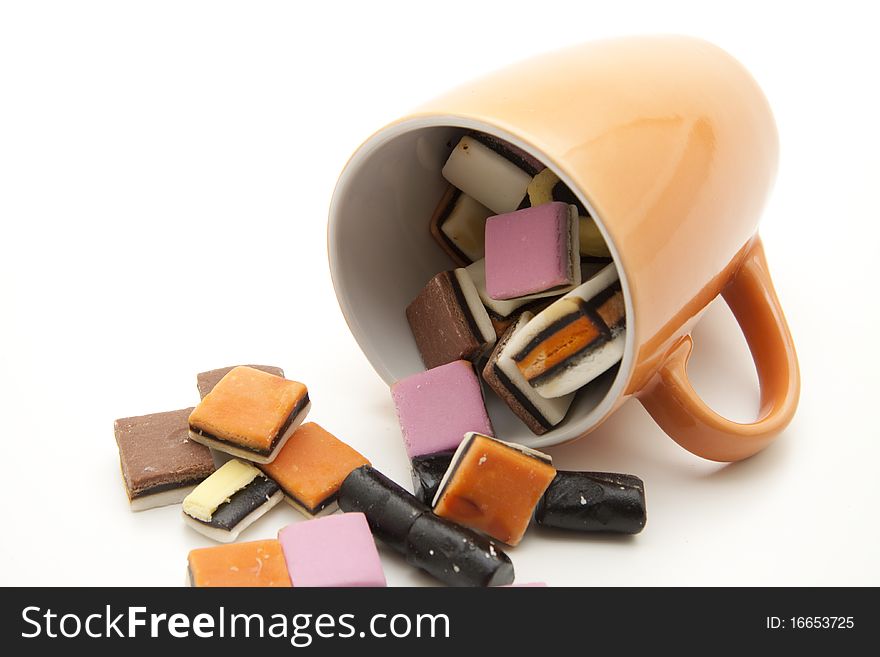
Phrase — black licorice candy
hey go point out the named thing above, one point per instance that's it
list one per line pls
(593, 502)
(390, 510)
(455, 555)
(242, 504)
(427, 473)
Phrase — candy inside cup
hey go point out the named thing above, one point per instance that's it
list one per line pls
(382, 254)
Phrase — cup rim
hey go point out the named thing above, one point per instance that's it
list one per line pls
(616, 392)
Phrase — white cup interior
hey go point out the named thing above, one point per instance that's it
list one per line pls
(382, 254)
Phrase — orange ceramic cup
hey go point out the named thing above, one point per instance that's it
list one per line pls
(671, 146)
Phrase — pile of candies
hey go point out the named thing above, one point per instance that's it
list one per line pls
(467, 502)
(536, 303)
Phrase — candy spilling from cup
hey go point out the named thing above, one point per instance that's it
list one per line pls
(484, 492)
(664, 149)
(574, 246)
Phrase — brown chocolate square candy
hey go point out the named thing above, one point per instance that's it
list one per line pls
(160, 464)
(448, 320)
(207, 380)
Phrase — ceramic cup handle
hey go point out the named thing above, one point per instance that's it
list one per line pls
(677, 408)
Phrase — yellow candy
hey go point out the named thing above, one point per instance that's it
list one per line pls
(230, 478)
(541, 188)
(591, 241)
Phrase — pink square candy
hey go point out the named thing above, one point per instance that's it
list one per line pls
(336, 550)
(436, 408)
(526, 585)
(529, 251)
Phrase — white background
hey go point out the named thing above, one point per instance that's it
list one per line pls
(165, 174)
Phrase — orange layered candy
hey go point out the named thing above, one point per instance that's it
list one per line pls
(493, 487)
(568, 340)
(311, 467)
(257, 563)
(249, 414)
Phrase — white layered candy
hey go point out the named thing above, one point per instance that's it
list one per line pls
(486, 176)
(465, 226)
(475, 305)
(231, 535)
(592, 364)
(230, 500)
(552, 410)
(585, 366)
(227, 480)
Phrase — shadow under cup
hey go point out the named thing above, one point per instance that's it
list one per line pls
(382, 254)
